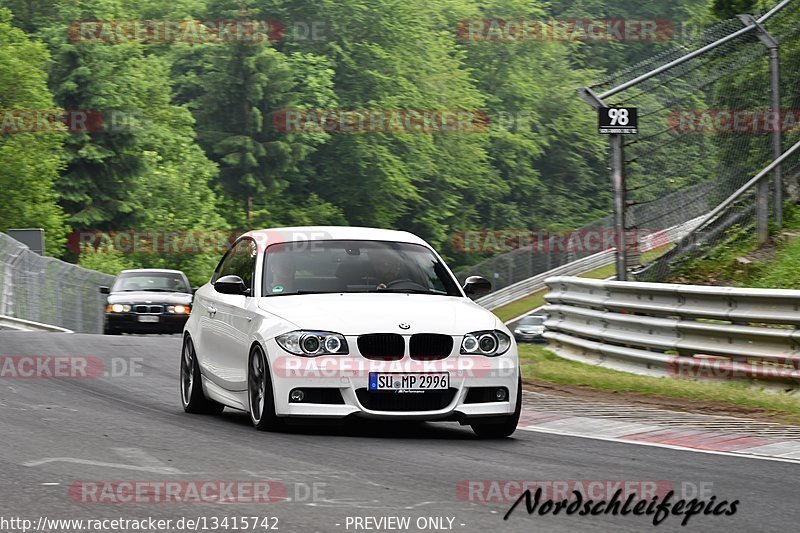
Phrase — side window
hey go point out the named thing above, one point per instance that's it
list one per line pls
(247, 253)
(240, 261)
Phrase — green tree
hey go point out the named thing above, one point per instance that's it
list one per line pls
(29, 161)
(235, 90)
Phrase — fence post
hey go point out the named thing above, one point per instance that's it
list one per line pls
(762, 189)
(618, 183)
(777, 179)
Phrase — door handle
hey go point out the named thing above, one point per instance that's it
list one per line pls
(211, 310)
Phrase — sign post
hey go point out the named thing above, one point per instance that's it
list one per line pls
(619, 121)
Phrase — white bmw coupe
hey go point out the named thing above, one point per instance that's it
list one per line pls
(333, 322)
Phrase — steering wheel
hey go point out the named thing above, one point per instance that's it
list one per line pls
(405, 284)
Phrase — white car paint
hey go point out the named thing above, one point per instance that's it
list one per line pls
(223, 339)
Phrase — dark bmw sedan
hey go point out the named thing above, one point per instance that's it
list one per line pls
(147, 301)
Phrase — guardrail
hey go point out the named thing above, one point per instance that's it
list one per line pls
(18, 324)
(676, 330)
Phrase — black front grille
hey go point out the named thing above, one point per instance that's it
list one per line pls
(431, 400)
(382, 346)
(430, 346)
(151, 309)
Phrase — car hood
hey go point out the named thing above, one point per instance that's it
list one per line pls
(130, 297)
(356, 314)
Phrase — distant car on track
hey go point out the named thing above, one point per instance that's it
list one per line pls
(333, 322)
(530, 329)
(147, 301)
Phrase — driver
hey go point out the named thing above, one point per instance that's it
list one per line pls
(282, 267)
(387, 268)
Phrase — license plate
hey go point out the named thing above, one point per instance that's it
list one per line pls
(397, 381)
(148, 318)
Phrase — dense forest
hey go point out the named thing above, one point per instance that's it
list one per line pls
(192, 136)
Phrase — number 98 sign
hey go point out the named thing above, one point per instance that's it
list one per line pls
(618, 120)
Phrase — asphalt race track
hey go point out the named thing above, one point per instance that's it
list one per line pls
(56, 433)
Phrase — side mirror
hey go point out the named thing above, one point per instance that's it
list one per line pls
(105, 290)
(231, 285)
(476, 286)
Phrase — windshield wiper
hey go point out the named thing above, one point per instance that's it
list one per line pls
(301, 292)
(412, 291)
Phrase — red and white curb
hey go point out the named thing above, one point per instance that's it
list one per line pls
(676, 437)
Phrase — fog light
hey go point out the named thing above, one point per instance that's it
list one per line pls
(296, 396)
(501, 394)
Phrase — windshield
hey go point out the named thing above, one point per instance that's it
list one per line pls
(532, 321)
(318, 267)
(150, 281)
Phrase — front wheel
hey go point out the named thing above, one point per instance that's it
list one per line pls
(505, 425)
(259, 391)
(192, 396)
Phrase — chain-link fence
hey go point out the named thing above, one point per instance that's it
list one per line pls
(708, 123)
(46, 290)
(706, 127)
(525, 262)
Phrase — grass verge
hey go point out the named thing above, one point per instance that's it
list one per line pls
(540, 364)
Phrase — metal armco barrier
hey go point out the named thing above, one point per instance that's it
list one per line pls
(676, 330)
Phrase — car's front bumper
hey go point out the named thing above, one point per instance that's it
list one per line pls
(130, 323)
(529, 337)
(349, 375)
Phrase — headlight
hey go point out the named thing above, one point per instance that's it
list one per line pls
(313, 343)
(489, 343)
(118, 308)
(179, 309)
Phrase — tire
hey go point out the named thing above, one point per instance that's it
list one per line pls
(108, 330)
(192, 396)
(505, 425)
(260, 393)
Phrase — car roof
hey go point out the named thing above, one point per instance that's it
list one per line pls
(335, 233)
